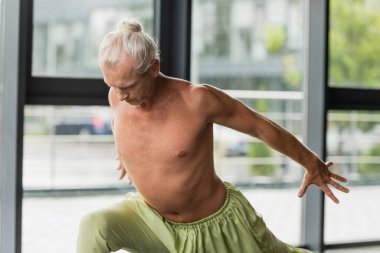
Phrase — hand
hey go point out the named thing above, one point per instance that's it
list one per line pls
(123, 171)
(322, 177)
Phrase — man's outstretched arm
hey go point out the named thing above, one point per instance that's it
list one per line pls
(227, 111)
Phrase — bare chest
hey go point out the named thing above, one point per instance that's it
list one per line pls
(157, 138)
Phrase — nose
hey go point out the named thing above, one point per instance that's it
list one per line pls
(122, 95)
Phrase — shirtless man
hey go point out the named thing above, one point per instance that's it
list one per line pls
(163, 129)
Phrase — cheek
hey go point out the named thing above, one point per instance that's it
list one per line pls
(140, 90)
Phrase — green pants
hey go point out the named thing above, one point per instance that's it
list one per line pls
(134, 226)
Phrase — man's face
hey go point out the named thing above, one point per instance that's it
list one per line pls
(130, 86)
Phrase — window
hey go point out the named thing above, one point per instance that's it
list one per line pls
(70, 165)
(69, 156)
(254, 51)
(353, 50)
(353, 120)
(66, 34)
(353, 143)
(74, 143)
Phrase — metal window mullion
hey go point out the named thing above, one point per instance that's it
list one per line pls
(315, 86)
(11, 131)
(353, 99)
(173, 28)
(66, 91)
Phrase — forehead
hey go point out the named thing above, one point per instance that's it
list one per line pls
(120, 73)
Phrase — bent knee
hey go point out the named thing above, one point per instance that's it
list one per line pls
(94, 231)
(109, 222)
(109, 226)
(98, 221)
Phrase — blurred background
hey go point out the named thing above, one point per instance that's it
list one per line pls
(252, 49)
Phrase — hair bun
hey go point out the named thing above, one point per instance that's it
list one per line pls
(130, 26)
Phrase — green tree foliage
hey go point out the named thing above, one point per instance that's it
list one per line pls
(275, 40)
(292, 76)
(368, 170)
(354, 49)
(274, 37)
(260, 150)
(354, 43)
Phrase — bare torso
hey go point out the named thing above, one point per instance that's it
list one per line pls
(168, 153)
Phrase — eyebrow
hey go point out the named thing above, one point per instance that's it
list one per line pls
(121, 86)
(127, 86)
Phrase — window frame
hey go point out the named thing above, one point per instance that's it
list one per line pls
(173, 29)
(172, 23)
(341, 99)
(12, 104)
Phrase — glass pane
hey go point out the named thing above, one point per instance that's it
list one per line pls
(68, 147)
(354, 43)
(254, 50)
(50, 221)
(66, 34)
(353, 144)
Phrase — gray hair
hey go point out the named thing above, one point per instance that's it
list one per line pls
(131, 41)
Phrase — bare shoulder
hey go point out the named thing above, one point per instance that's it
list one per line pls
(209, 100)
(201, 93)
(208, 95)
(196, 95)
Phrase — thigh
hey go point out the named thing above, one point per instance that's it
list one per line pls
(123, 227)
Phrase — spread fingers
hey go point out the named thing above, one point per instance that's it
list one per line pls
(338, 186)
(337, 177)
(329, 193)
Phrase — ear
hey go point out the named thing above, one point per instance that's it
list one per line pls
(155, 69)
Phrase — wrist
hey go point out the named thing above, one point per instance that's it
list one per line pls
(311, 161)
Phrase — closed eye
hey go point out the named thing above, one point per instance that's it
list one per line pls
(122, 87)
(129, 86)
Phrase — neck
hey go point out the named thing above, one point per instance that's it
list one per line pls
(156, 93)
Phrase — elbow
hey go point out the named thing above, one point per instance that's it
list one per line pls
(257, 133)
(267, 134)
